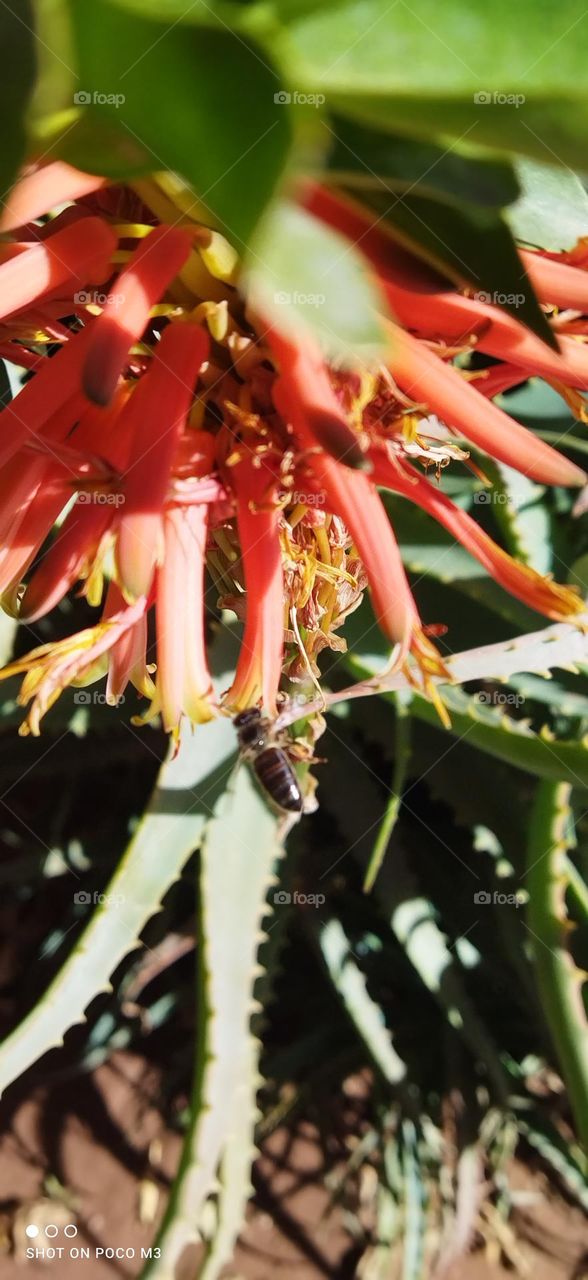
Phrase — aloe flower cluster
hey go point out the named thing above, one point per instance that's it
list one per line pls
(164, 431)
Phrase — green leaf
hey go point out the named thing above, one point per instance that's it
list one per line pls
(171, 829)
(371, 160)
(238, 856)
(432, 71)
(198, 102)
(552, 210)
(18, 75)
(302, 275)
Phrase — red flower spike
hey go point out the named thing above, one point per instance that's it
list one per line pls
(154, 264)
(78, 255)
(259, 666)
(156, 415)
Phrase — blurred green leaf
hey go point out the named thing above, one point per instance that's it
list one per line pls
(432, 71)
(552, 211)
(198, 102)
(16, 84)
(371, 160)
(302, 275)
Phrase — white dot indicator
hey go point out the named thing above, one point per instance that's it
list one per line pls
(70, 1230)
(31, 1231)
(51, 1230)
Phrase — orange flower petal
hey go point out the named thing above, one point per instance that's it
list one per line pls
(156, 416)
(425, 378)
(75, 256)
(540, 593)
(153, 265)
(44, 189)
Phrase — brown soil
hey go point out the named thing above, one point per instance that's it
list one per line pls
(94, 1152)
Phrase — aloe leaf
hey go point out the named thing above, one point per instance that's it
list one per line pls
(559, 980)
(524, 519)
(413, 919)
(562, 645)
(235, 1170)
(351, 987)
(300, 274)
(239, 852)
(182, 801)
(490, 729)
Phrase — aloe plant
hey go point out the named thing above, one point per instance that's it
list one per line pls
(293, 363)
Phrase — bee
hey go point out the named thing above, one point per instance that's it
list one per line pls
(270, 763)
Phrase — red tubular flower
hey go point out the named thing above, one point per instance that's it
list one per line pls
(155, 262)
(127, 662)
(318, 412)
(77, 255)
(423, 302)
(56, 385)
(156, 416)
(352, 497)
(44, 188)
(260, 659)
(425, 378)
(184, 685)
(532, 588)
(77, 545)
